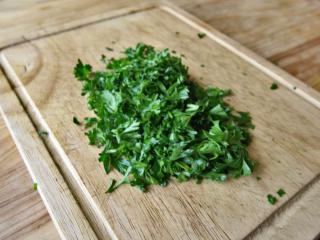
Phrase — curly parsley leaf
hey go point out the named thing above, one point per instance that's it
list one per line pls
(153, 123)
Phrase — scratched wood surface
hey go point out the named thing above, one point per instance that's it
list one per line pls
(69, 219)
(283, 31)
(188, 210)
(22, 212)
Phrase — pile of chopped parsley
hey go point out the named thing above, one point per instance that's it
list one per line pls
(153, 123)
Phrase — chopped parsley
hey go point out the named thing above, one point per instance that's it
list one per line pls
(35, 186)
(76, 121)
(153, 123)
(177, 33)
(272, 199)
(202, 65)
(281, 192)
(274, 86)
(201, 35)
(109, 49)
(43, 133)
(258, 178)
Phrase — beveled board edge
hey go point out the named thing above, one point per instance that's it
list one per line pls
(83, 22)
(273, 71)
(94, 215)
(72, 178)
(292, 83)
(265, 66)
(63, 209)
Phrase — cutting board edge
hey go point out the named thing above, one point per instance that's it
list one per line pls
(284, 78)
(265, 66)
(41, 166)
(58, 156)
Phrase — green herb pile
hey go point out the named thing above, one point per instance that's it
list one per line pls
(152, 122)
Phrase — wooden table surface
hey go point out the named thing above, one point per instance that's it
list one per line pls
(286, 32)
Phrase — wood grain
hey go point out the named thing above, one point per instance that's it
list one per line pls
(185, 210)
(22, 212)
(300, 221)
(59, 201)
(284, 31)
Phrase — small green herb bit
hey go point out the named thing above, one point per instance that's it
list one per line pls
(109, 49)
(43, 133)
(258, 178)
(272, 199)
(153, 123)
(112, 185)
(76, 121)
(274, 86)
(201, 35)
(281, 192)
(35, 186)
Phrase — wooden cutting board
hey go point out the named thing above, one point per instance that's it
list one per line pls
(286, 140)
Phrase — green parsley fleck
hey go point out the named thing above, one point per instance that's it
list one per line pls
(258, 178)
(112, 185)
(109, 49)
(153, 123)
(76, 121)
(201, 35)
(174, 51)
(202, 65)
(281, 192)
(272, 199)
(35, 186)
(43, 133)
(177, 33)
(274, 86)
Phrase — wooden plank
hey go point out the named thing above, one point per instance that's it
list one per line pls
(61, 205)
(281, 30)
(42, 75)
(22, 212)
(31, 18)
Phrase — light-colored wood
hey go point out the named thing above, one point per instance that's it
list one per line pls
(31, 17)
(300, 221)
(284, 31)
(59, 201)
(250, 22)
(22, 212)
(42, 75)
